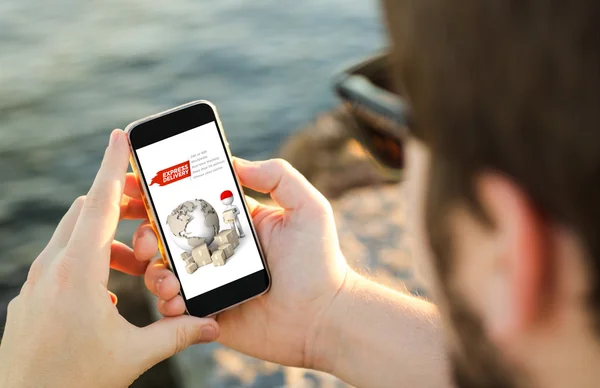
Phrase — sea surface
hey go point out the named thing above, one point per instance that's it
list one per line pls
(71, 67)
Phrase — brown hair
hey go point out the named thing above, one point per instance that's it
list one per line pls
(512, 86)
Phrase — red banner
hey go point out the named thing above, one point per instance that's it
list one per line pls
(172, 174)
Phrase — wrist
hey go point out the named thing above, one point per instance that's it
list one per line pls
(324, 347)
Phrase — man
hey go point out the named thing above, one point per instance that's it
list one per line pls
(504, 168)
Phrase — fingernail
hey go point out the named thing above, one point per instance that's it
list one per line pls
(208, 334)
(114, 136)
(113, 298)
(139, 234)
(158, 283)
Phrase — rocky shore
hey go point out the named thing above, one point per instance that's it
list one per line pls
(40, 182)
(329, 158)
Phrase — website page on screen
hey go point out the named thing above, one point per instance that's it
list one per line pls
(199, 208)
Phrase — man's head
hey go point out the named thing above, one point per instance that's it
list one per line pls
(505, 97)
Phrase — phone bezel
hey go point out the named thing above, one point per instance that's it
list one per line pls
(170, 123)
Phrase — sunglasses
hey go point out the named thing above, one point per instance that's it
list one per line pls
(381, 116)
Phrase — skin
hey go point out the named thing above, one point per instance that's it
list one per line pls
(63, 329)
(315, 311)
(522, 283)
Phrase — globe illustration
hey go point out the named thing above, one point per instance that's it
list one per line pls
(193, 223)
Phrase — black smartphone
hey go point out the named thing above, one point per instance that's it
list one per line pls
(197, 207)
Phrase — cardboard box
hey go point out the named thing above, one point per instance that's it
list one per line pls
(195, 241)
(191, 268)
(227, 236)
(228, 249)
(219, 257)
(229, 216)
(201, 255)
(189, 260)
(186, 256)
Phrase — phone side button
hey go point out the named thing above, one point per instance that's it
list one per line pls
(162, 253)
(161, 248)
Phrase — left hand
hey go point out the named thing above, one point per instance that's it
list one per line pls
(63, 329)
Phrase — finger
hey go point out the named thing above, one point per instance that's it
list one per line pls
(252, 203)
(132, 187)
(169, 336)
(288, 188)
(255, 207)
(132, 209)
(144, 242)
(123, 259)
(64, 230)
(95, 228)
(171, 308)
(156, 273)
(260, 212)
(167, 287)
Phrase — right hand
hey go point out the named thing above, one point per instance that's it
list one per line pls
(299, 239)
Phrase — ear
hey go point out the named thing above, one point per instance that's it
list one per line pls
(516, 289)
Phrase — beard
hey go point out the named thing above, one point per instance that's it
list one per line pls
(475, 360)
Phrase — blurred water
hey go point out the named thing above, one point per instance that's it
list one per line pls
(72, 67)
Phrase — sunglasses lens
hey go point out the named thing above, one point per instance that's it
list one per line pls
(376, 137)
(385, 149)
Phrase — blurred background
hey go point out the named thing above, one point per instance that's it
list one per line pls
(71, 71)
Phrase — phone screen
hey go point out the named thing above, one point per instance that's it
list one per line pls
(199, 208)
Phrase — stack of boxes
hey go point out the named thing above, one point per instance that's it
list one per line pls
(201, 255)
(190, 266)
(227, 241)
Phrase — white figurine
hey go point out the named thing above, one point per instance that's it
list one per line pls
(230, 215)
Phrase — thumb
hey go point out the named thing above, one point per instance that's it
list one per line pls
(169, 336)
(287, 186)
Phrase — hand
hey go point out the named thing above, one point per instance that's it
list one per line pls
(63, 329)
(300, 242)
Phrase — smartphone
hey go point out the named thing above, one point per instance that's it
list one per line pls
(197, 207)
